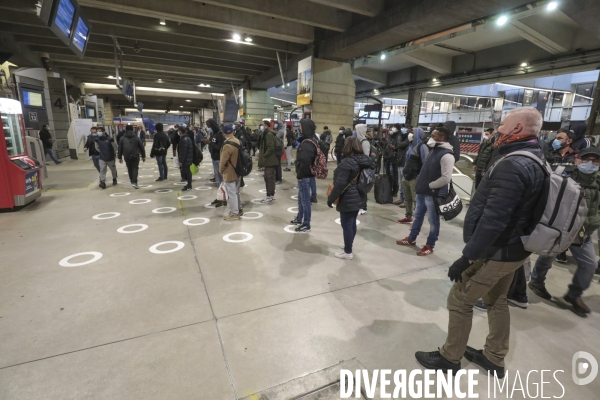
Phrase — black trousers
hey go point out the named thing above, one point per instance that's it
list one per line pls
(278, 172)
(478, 178)
(187, 174)
(392, 171)
(132, 168)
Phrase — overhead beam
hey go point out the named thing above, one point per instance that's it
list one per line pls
(585, 13)
(541, 40)
(208, 16)
(435, 62)
(370, 8)
(371, 76)
(319, 15)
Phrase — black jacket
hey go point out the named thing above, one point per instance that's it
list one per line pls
(46, 138)
(131, 147)
(339, 141)
(451, 125)
(580, 142)
(290, 139)
(90, 144)
(185, 151)
(555, 159)
(160, 145)
(106, 147)
(351, 199)
(306, 151)
(506, 197)
(484, 155)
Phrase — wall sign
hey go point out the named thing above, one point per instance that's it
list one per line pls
(32, 182)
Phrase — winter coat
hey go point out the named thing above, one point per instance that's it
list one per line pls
(306, 151)
(290, 139)
(580, 141)
(267, 158)
(361, 134)
(341, 139)
(90, 144)
(402, 144)
(590, 183)
(484, 155)
(505, 199)
(46, 138)
(160, 145)
(131, 147)
(436, 172)
(555, 159)
(351, 199)
(451, 125)
(229, 159)
(186, 150)
(175, 141)
(106, 147)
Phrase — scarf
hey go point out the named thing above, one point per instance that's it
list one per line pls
(509, 138)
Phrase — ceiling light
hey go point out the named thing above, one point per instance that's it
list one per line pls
(180, 106)
(163, 22)
(248, 39)
(524, 64)
(111, 77)
(288, 85)
(552, 5)
(236, 36)
(189, 101)
(160, 80)
(435, 79)
(383, 56)
(502, 20)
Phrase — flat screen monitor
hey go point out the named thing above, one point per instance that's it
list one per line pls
(385, 115)
(32, 99)
(91, 113)
(80, 36)
(363, 114)
(374, 114)
(62, 22)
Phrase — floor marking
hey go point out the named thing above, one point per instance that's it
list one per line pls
(248, 237)
(293, 210)
(100, 216)
(178, 246)
(164, 210)
(142, 227)
(339, 222)
(120, 194)
(187, 197)
(190, 223)
(140, 201)
(65, 261)
(163, 191)
(258, 215)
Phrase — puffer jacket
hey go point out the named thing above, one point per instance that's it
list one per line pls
(216, 140)
(555, 159)
(484, 155)
(591, 184)
(186, 150)
(160, 141)
(505, 199)
(454, 141)
(267, 158)
(351, 199)
(130, 146)
(106, 148)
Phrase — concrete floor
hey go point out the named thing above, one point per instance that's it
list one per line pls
(218, 320)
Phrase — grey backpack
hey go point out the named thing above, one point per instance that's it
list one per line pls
(559, 214)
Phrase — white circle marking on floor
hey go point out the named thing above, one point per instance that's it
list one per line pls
(258, 215)
(339, 222)
(112, 215)
(145, 186)
(65, 261)
(210, 205)
(163, 210)
(257, 201)
(175, 174)
(295, 197)
(142, 227)
(120, 194)
(190, 223)
(291, 229)
(163, 191)
(154, 248)
(145, 176)
(187, 197)
(180, 183)
(140, 201)
(203, 188)
(293, 210)
(248, 237)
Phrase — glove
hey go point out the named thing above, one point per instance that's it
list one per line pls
(329, 204)
(456, 269)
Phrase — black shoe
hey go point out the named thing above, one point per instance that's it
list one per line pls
(598, 268)
(519, 302)
(183, 180)
(278, 182)
(577, 303)
(159, 180)
(102, 185)
(213, 180)
(221, 204)
(303, 229)
(58, 162)
(562, 257)
(434, 360)
(313, 199)
(477, 357)
(287, 170)
(215, 202)
(186, 188)
(540, 290)
(296, 222)
(114, 181)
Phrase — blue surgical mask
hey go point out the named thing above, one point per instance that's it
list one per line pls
(588, 167)
(557, 144)
(404, 130)
(98, 134)
(210, 130)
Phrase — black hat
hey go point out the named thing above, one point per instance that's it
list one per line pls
(589, 150)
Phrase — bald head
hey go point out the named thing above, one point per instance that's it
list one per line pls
(526, 120)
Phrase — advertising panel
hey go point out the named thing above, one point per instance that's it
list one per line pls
(32, 182)
(305, 80)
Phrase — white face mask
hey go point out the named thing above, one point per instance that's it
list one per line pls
(262, 128)
(431, 142)
(394, 130)
(410, 137)
(340, 132)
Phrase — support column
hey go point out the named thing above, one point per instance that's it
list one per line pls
(413, 107)
(333, 95)
(258, 105)
(593, 122)
(60, 113)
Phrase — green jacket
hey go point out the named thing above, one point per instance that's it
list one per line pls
(267, 157)
(483, 157)
(591, 184)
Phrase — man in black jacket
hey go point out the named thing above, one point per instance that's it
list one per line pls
(131, 148)
(214, 147)
(90, 145)
(481, 161)
(451, 125)
(107, 149)
(186, 156)
(305, 158)
(46, 139)
(290, 145)
(501, 207)
(339, 143)
(160, 145)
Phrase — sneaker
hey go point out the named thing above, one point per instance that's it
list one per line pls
(303, 229)
(102, 185)
(278, 182)
(434, 360)
(159, 180)
(221, 204)
(403, 205)
(287, 169)
(135, 185)
(114, 181)
(342, 246)
(405, 220)
(215, 202)
(521, 303)
(241, 211)
(540, 290)
(186, 188)
(232, 217)
(267, 200)
(477, 357)
(213, 180)
(313, 199)
(295, 222)
(406, 242)
(58, 162)
(165, 179)
(480, 306)
(362, 212)
(577, 303)
(425, 250)
(562, 257)
(344, 256)
(183, 180)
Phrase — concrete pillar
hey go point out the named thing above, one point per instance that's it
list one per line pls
(258, 105)
(413, 107)
(60, 113)
(593, 122)
(333, 95)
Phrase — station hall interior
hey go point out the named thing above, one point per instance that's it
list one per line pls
(143, 290)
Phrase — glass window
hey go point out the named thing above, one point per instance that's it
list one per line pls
(557, 99)
(12, 134)
(584, 94)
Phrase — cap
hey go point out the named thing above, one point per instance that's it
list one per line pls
(589, 151)
(228, 128)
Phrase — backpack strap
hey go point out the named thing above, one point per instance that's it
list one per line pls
(545, 167)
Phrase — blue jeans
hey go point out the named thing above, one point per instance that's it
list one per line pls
(218, 175)
(49, 152)
(162, 166)
(313, 187)
(304, 201)
(425, 204)
(400, 188)
(96, 161)
(348, 222)
(586, 265)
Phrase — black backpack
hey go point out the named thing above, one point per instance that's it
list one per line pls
(366, 180)
(279, 147)
(413, 166)
(244, 162)
(198, 156)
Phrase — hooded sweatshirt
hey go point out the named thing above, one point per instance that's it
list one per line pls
(216, 140)
(451, 125)
(580, 142)
(361, 134)
(306, 151)
(417, 138)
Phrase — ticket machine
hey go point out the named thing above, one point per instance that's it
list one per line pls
(20, 176)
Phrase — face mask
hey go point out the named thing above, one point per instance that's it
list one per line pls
(404, 130)
(340, 132)
(410, 137)
(210, 130)
(587, 167)
(262, 128)
(557, 144)
(98, 134)
(431, 142)
(394, 130)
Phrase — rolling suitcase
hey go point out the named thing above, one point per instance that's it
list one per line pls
(383, 189)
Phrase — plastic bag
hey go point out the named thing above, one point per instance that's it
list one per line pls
(175, 162)
(194, 169)
(222, 193)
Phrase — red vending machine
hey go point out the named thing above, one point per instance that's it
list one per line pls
(20, 177)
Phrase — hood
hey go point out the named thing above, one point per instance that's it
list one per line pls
(308, 128)
(417, 133)
(130, 134)
(451, 125)
(445, 145)
(348, 132)
(363, 160)
(579, 131)
(361, 132)
(211, 123)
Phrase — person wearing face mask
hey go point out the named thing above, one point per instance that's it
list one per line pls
(214, 147)
(401, 145)
(480, 162)
(583, 251)
(502, 206)
(131, 148)
(268, 160)
(107, 151)
(562, 153)
(339, 144)
(434, 180)
(90, 145)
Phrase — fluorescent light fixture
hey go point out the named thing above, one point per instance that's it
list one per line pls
(435, 79)
(285, 101)
(236, 36)
(552, 5)
(239, 42)
(152, 111)
(288, 85)
(526, 87)
(163, 22)
(455, 95)
(160, 80)
(502, 20)
(383, 56)
(203, 85)
(217, 94)
(524, 64)
(189, 101)
(149, 89)
(248, 39)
